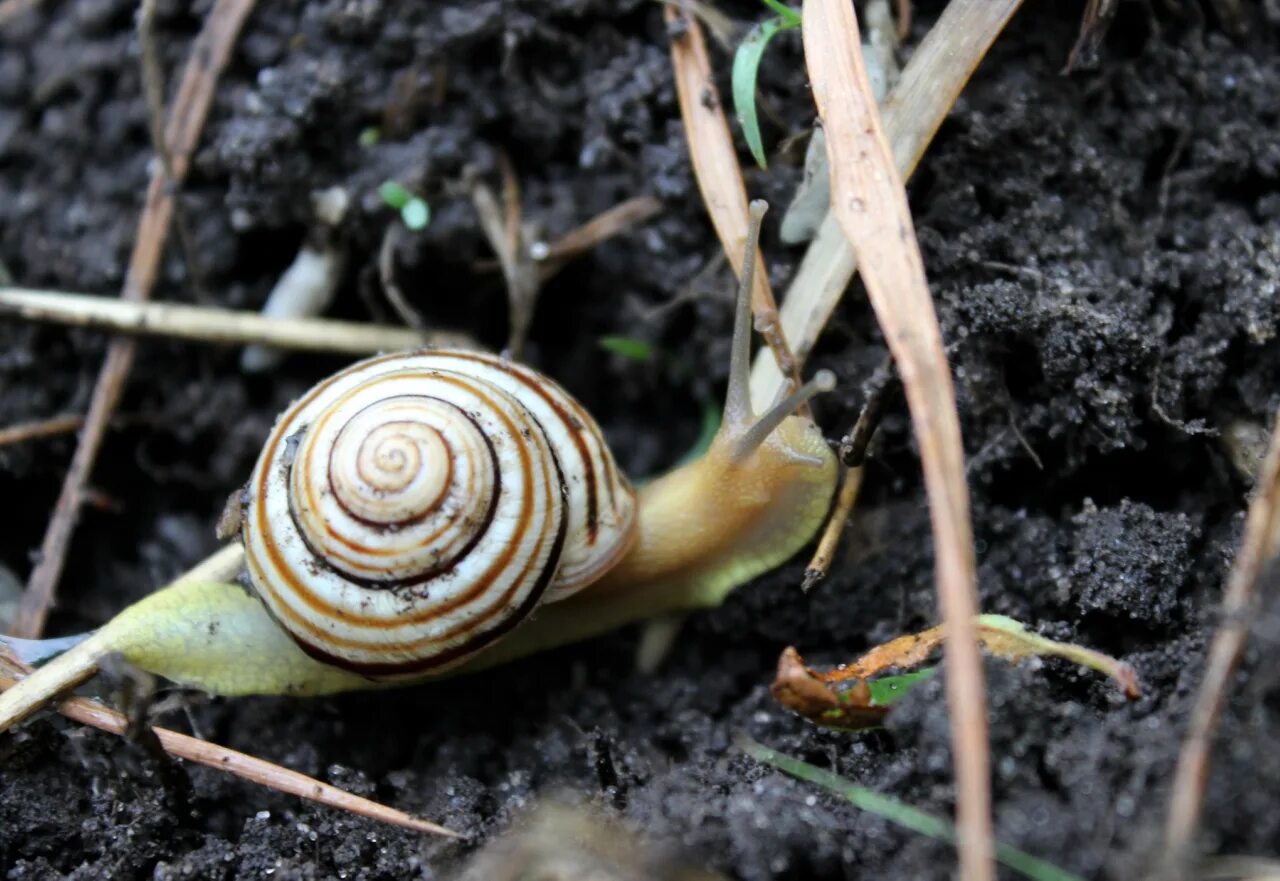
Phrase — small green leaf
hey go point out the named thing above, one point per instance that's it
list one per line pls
(889, 689)
(394, 194)
(746, 67)
(369, 136)
(416, 214)
(627, 347)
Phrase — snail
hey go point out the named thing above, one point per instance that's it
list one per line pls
(437, 510)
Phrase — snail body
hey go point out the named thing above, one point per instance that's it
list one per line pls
(440, 510)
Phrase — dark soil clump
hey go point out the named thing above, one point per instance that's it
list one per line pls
(1104, 249)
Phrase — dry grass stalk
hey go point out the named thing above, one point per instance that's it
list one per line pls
(912, 113)
(503, 227)
(870, 203)
(602, 227)
(209, 55)
(212, 325)
(16, 434)
(221, 758)
(1257, 548)
(715, 165)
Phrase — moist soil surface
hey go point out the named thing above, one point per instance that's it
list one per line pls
(1104, 250)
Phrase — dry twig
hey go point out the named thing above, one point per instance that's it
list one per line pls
(210, 324)
(870, 203)
(223, 758)
(208, 56)
(603, 226)
(391, 238)
(153, 88)
(912, 113)
(820, 562)
(715, 165)
(16, 434)
(1257, 548)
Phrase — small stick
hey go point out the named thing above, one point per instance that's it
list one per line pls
(387, 275)
(153, 92)
(603, 226)
(715, 165)
(210, 324)
(1257, 548)
(853, 453)
(16, 434)
(870, 204)
(853, 446)
(524, 282)
(830, 541)
(209, 55)
(503, 230)
(221, 758)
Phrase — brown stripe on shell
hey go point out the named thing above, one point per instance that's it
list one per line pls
(327, 610)
(389, 524)
(538, 386)
(442, 567)
(459, 652)
(436, 659)
(423, 374)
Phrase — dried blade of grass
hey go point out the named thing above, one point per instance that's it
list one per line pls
(221, 758)
(502, 227)
(603, 226)
(870, 203)
(715, 165)
(1257, 548)
(912, 113)
(16, 434)
(210, 324)
(209, 55)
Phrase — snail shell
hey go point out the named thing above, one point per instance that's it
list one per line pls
(411, 509)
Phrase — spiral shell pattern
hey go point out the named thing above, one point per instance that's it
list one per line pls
(411, 509)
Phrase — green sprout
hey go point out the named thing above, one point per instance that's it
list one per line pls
(900, 813)
(746, 69)
(627, 347)
(414, 210)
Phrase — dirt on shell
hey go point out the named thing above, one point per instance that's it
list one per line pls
(1104, 249)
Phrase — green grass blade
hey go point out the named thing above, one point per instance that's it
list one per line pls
(746, 67)
(789, 15)
(904, 815)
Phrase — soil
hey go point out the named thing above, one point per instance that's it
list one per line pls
(1104, 248)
